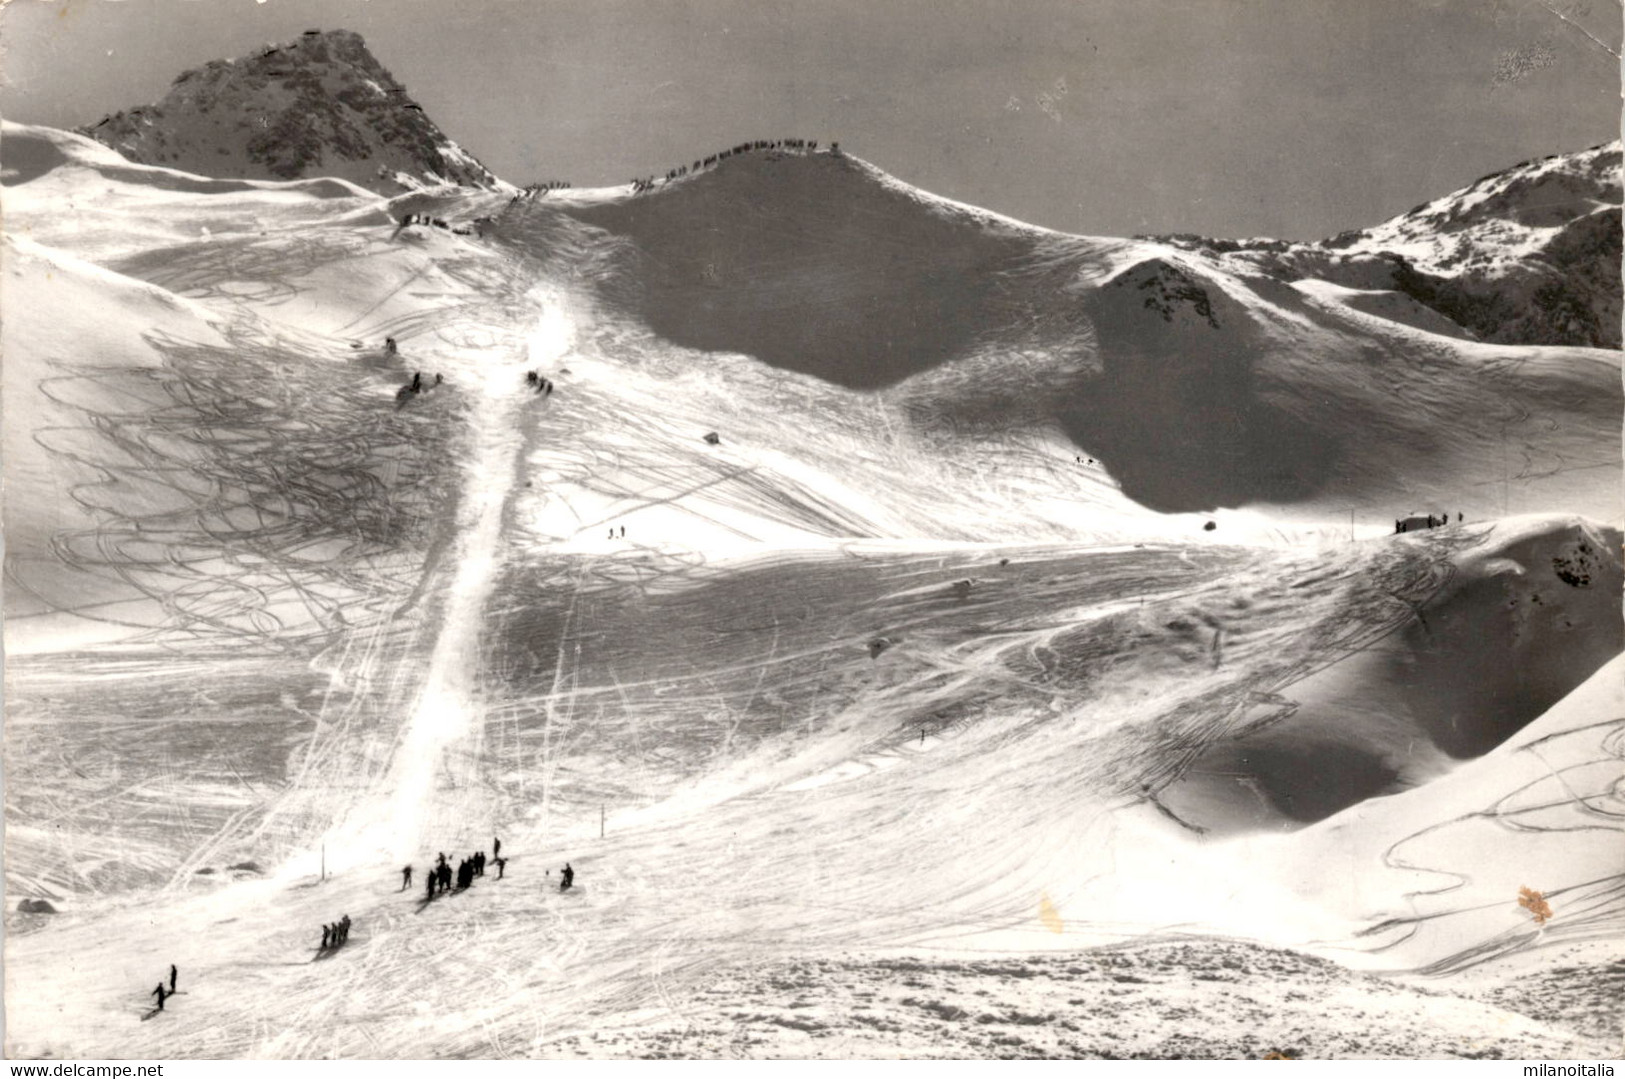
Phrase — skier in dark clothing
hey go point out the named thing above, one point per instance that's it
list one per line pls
(568, 878)
(327, 935)
(173, 974)
(160, 994)
(417, 381)
(502, 865)
(406, 878)
(496, 847)
(434, 879)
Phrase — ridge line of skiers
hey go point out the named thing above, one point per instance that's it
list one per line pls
(639, 185)
(804, 145)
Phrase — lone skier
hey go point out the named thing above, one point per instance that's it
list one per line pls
(568, 878)
(173, 974)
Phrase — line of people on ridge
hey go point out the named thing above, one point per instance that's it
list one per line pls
(805, 145)
(538, 384)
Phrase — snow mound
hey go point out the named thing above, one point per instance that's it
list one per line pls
(1527, 611)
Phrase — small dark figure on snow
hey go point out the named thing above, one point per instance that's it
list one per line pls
(327, 935)
(496, 847)
(389, 345)
(406, 878)
(160, 994)
(568, 877)
(502, 865)
(417, 381)
(173, 974)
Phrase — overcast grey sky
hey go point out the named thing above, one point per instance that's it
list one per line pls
(1294, 118)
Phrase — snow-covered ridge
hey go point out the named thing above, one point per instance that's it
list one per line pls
(1529, 255)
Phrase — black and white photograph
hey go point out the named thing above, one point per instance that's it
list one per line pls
(845, 530)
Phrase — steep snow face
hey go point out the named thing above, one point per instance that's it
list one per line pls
(1530, 255)
(319, 105)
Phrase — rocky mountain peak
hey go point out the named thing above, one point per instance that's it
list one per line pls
(320, 105)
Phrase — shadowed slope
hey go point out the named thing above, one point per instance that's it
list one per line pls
(819, 264)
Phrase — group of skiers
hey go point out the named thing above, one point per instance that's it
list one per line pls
(416, 386)
(161, 993)
(440, 879)
(539, 384)
(530, 191)
(1406, 524)
(807, 145)
(336, 934)
(423, 219)
(436, 222)
(441, 876)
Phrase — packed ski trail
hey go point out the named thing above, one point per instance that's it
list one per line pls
(430, 790)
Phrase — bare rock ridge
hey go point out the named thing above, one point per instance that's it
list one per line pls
(1526, 256)
(320, 105)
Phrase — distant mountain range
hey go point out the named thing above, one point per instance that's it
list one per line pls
(1530, 255)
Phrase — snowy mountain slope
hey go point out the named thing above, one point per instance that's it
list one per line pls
(1192, 386)
(1527, 256)
(1054, 708)
(319, 105)
(892, 659)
